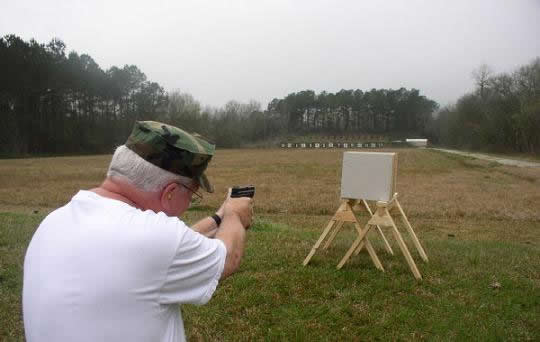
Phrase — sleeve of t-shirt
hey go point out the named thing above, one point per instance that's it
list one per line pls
(195, 270)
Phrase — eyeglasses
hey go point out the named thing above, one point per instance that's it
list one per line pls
(192, 190)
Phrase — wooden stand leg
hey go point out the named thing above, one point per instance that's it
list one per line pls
(404, 248)
(373, 255)
(359, 249)
(416, 242)
(333, 235)
(349, 252)
(362, 234)
(386, 244)
(370, 250)
(318, 243)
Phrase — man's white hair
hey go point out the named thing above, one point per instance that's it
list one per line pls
(129, 166)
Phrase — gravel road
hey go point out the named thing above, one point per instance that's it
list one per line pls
(513, 162)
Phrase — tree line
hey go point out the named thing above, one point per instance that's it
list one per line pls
(54, 102)
(402, 113)
(383, 111)
(501, 114)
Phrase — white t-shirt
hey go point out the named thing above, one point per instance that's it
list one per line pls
(98, 269)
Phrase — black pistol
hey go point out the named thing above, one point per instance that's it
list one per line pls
(243, 191)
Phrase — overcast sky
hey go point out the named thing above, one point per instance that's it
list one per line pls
(258, 49)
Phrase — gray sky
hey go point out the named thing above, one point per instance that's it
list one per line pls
(223, 50)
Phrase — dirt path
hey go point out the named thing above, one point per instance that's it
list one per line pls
(513, 162)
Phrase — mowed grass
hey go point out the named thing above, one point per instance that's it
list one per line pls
(478, 221)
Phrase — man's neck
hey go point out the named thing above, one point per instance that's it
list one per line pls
(121, 191)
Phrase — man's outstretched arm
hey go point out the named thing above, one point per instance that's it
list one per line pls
(207, 227)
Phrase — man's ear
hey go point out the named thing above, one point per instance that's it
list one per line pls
(167, 195)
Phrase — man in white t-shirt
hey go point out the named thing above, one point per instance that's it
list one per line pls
(114, 263)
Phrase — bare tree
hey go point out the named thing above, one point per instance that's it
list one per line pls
(481, 76)
(183, 111)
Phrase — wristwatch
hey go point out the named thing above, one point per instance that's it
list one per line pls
(216, 219)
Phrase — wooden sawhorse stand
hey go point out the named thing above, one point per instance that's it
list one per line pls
(346, 213)
(381, 218)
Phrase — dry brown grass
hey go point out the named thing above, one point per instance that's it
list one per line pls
(441, 193)
(45, 183)
(432, 185)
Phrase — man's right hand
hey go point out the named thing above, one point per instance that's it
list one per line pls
(237, 216)
(242, 207)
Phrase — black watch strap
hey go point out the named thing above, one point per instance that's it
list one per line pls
(217, 219)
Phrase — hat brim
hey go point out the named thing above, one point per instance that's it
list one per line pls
(205, 183)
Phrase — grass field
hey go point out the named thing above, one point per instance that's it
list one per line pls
(478, 221)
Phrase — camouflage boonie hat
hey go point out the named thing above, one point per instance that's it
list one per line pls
(172, 149)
